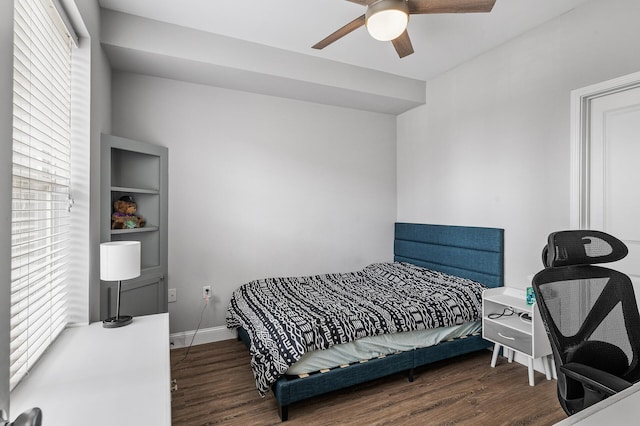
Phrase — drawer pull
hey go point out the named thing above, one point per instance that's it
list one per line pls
(506, 337)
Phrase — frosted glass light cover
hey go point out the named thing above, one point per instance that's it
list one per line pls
(387, 25)
(119, 260)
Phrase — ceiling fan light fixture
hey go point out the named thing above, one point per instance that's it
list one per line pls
(387, 19)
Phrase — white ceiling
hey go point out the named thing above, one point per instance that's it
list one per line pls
(441, 42)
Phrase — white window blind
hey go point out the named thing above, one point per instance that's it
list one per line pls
(41, 178)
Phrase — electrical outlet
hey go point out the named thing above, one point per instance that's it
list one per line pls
(206, 291)
(173, 295)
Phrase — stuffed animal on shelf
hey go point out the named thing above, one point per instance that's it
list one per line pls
(124, 214)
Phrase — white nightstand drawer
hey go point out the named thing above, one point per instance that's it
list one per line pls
(509, 337)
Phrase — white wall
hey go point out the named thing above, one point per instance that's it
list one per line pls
(95, 71)
(261, 186)
(90, 115)
(491, 146)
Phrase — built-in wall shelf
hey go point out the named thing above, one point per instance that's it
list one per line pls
(134, 190)
(134, 230)
(139, 170)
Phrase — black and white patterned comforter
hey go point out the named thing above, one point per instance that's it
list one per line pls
(286, 317)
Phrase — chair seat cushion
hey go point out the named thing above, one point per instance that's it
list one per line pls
(601, 355)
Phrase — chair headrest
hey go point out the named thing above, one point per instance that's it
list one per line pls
(582, 247)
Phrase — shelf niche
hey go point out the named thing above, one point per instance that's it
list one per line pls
(140, 170)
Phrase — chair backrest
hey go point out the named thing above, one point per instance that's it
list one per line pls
(590, 312)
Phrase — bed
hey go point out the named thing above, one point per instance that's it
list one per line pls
(464, 259)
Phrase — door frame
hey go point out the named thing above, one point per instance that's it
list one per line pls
(581, 142)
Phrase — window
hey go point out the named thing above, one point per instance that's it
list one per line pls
(41, 180)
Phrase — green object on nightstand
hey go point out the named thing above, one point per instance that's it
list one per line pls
(531, 296)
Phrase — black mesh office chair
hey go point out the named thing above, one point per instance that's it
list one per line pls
(591, 317)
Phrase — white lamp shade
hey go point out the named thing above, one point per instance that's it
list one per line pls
(119, 260)
(388, 24)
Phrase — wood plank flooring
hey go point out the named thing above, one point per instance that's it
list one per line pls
(216, 387)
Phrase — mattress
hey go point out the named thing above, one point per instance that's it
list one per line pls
(376, 346)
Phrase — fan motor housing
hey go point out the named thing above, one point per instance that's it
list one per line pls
(381, 5)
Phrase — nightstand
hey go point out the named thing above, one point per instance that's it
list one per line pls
(513, 331)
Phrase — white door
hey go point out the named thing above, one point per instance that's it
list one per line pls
(614, 174)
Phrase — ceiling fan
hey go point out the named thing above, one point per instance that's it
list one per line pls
(387, 20)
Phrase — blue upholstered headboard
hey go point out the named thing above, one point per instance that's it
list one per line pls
(465, 251)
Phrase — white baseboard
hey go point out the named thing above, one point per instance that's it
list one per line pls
(205, 335)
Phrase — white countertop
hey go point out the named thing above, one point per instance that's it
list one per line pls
(97, 376)
(622, 408)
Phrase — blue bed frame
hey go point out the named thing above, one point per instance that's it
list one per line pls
(469, 252)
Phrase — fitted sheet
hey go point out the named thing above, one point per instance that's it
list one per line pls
(375, 346)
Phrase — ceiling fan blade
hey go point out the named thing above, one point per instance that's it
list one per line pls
(417, 7)
(353, 25)
(403, 45)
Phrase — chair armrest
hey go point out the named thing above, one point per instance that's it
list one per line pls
(595, 378)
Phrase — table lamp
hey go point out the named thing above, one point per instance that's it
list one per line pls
(119, 260)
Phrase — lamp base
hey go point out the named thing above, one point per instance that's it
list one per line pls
(115, 322)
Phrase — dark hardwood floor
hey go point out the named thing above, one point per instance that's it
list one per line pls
(216, 386)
